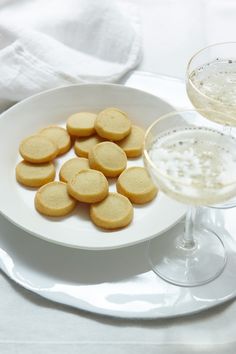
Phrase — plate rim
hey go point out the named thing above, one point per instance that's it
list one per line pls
(59, 88)
(16, 273)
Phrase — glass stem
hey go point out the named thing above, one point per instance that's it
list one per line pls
(189, 241)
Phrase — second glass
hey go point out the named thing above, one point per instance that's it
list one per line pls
(211, 82)
(211, 85)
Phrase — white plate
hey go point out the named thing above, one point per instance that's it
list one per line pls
(76, 230)
(113, 282)
(116, 282)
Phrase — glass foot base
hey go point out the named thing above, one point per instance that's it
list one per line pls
(194, 266)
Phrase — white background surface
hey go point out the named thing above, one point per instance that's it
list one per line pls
(172, 32)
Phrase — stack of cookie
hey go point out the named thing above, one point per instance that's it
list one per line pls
(102, 142)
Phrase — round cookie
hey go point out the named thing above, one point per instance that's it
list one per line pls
(81, 124)
(88, 186)
(112, 124)
(71, 167)
(52, 199)
(114, 212)
(84, 145)
(38, 149)
(108, 158)
(32, 175)
(133, 143)
(136, 184)
(59, 136)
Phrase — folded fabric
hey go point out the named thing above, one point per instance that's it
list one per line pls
(45, 44)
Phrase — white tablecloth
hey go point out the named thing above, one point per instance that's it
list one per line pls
(172, 32)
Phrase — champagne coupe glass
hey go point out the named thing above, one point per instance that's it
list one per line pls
(191, 160)
(211, 85)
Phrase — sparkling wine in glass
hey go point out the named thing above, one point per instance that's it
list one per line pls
(191, 160)
(211, 85)
(211, 82)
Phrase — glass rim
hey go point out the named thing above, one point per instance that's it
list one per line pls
(188, 72)
(153, 165)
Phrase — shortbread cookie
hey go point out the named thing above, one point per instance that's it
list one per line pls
(81, 124)
(133, 143)
(53, 199)
(59, 136)
(136, 184)
(38, 149)
(108, 158)
(71, 167)
(112, 124)
(114, 212)
(84, 145)
(32, 175)
(88, 186)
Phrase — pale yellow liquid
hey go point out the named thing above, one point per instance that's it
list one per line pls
(213, 87)
(195, 165)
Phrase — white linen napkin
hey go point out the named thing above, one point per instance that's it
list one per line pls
(45, 44)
